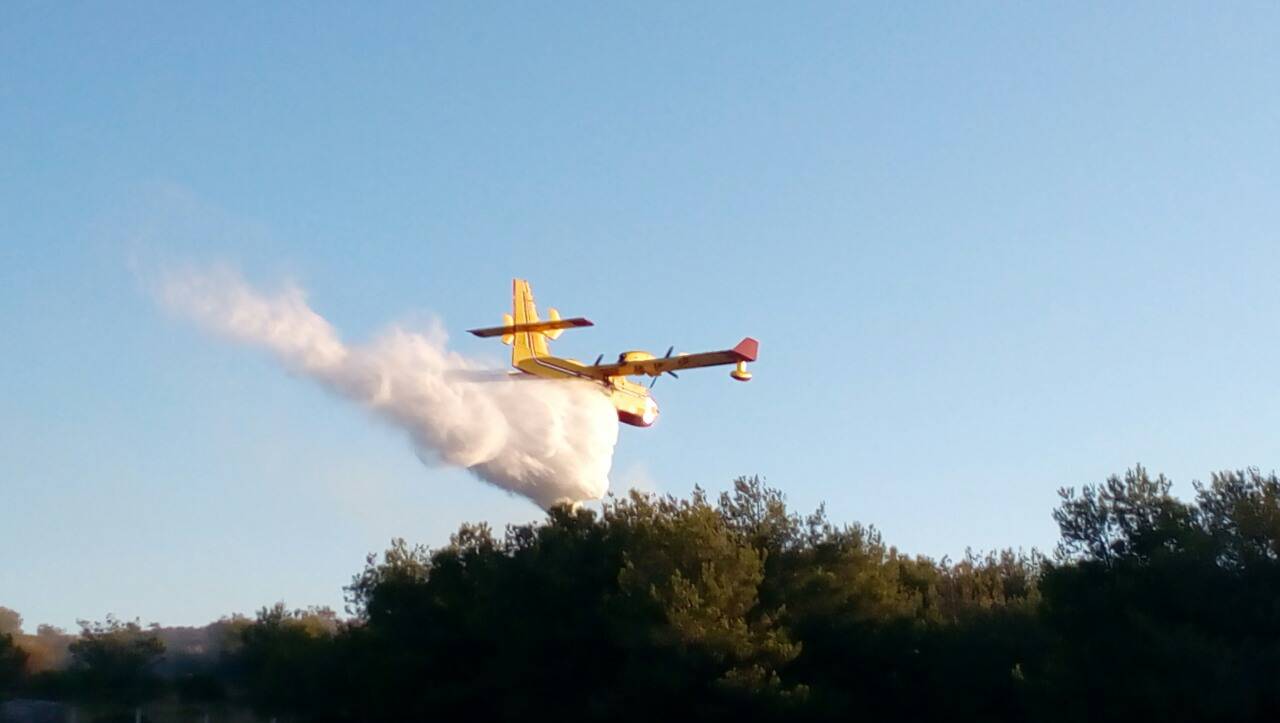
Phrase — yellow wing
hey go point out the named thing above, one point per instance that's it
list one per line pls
(745, 351)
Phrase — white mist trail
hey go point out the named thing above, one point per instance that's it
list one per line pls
(550, 441)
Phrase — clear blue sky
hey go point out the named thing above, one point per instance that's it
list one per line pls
(989, 250)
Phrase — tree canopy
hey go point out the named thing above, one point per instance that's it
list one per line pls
(1151, 607)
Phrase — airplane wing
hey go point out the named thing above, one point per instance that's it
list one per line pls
(745, 351)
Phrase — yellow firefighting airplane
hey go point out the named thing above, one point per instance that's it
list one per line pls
(527, 335)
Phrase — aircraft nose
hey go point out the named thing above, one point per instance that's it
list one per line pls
(650, 410)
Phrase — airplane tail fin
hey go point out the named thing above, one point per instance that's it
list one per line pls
(525, 311)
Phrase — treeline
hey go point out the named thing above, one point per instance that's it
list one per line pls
(1151, 608)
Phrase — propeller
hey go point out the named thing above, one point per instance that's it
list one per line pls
(597, 362)
(665, 356)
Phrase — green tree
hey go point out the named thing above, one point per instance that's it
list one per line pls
(286, 662)
(694, 572)
(740, 609)
(13, 664)
(1240, 511)
(113, 660)
(10, 621)
(1163, 609)
(1127, 519)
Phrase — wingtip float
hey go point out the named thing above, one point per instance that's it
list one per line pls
(527, 335)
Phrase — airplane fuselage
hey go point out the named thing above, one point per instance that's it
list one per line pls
(635, 405)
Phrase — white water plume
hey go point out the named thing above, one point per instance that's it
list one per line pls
(550, 441)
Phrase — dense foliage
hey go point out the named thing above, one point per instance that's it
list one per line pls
(13, 662)
(659, 608)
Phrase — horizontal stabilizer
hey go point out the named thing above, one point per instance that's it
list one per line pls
(549, 325)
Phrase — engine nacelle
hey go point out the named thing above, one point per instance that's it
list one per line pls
(553, 315)
(508, 339)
